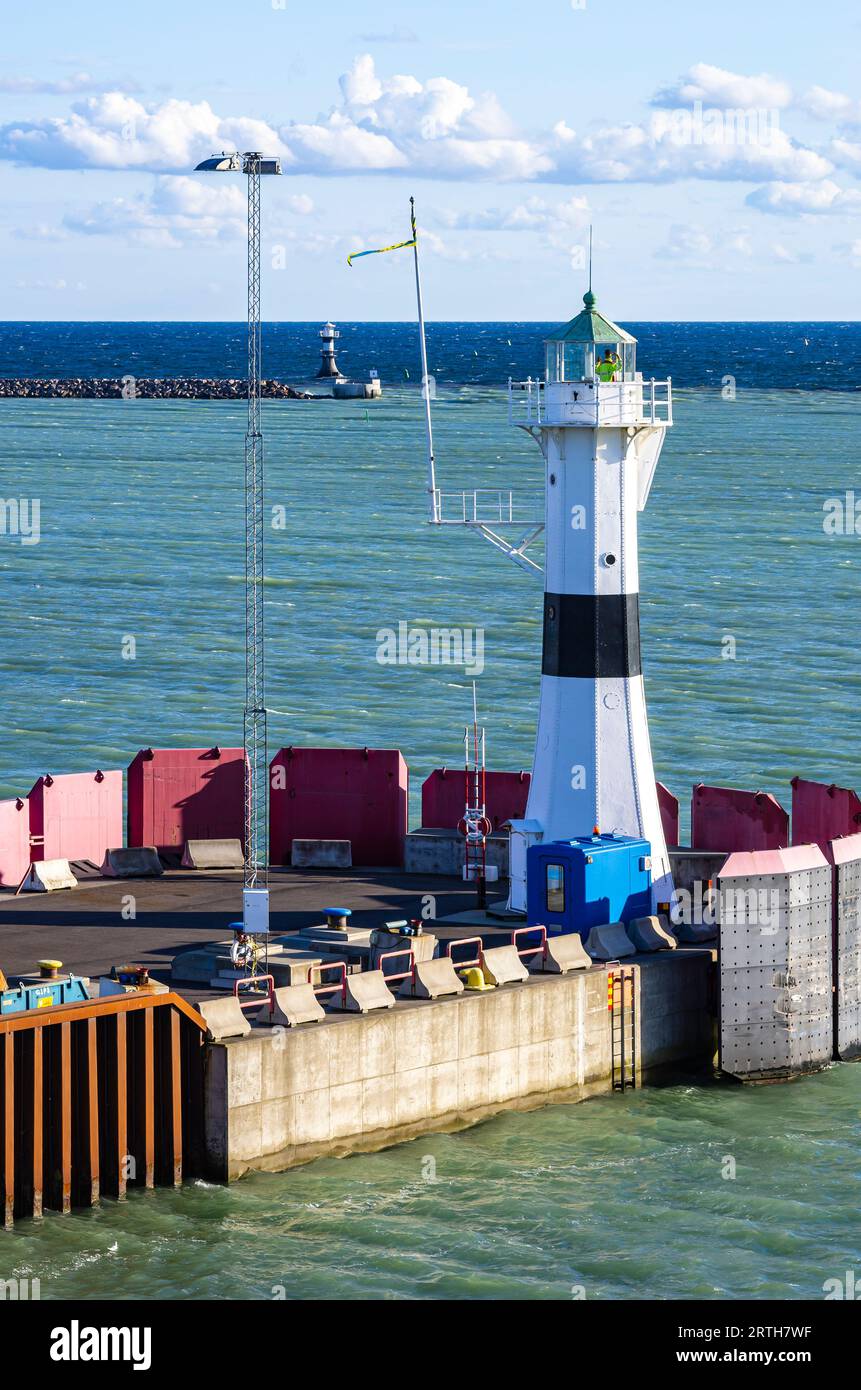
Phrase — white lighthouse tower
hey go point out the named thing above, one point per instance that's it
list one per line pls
(328, 366)
(601, 428)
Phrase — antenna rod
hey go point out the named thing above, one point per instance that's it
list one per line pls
(433, 505)
(590, 257)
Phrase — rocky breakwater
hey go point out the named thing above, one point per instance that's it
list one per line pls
(131, 388)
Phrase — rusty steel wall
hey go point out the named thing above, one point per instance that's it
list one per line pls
(179, 794)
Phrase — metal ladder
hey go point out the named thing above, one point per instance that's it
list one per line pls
(622, 1008)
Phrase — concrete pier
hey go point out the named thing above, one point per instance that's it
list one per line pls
(281, 1097)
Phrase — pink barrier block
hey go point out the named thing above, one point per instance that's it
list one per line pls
(356, 794)
(669, 808)
(725, 819)
(77, 815)
(821, 813)
(444, 797)
(179, 794)
(14, 841)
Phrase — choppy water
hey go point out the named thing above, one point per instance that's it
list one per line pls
(618, 1198)
(141, 509)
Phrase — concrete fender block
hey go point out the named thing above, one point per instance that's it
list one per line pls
(433, 979)
(139, 861)
(46, 875)
(502, 965)
(647, 934)
(213, 854)
(368, 991)
(295, 1004)
(322, 854)
(564, 953)
(224, 1019)
(695, 933)
(609, 942)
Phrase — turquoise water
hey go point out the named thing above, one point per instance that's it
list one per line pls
(618, 1198)
(141, 509)
(141, 514)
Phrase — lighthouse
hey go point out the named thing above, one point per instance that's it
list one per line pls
(600, 427)
(328, 366)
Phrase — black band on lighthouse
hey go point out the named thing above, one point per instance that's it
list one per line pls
(591, 635)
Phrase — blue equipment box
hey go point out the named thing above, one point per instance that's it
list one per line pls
(575, 885)
(43, 994)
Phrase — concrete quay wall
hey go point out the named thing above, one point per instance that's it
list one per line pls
(353, 1083)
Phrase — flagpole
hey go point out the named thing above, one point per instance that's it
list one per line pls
(431, 475)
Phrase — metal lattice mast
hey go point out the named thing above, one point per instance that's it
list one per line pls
(256, 758)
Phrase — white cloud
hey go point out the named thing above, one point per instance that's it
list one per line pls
(846, 154)
(301, 203)
(434, 128)
(176, 209)
(533, 215)
(830, 106)
(718, 87)
(790, 257)
(686, 242)
(801, 198)
(79, 82)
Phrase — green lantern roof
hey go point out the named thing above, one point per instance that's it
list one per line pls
(590, 327)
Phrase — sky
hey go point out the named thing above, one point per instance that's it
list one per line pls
(716, 151)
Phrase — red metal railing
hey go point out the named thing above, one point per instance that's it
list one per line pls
(402, 974)
(522, 951)
(466, 941)
(256, 980)
(340, 987)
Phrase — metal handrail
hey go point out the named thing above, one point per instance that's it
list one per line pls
(466, 941)
(541, 949)
(255, 980)
(341, 986)
(403, 974)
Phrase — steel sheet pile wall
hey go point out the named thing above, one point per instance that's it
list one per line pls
(775, 963)
(847, 946)
(444, 792)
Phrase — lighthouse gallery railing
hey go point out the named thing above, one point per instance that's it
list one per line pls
(535, 402)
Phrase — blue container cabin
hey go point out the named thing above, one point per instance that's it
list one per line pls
(575, 885)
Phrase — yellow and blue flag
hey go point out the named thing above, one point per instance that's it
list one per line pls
(380, 250)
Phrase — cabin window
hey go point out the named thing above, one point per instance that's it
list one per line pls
(555, 888)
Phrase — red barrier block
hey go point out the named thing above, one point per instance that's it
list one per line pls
(179, 794)
(444, 797)
(356, 794)
(726, 820)
(14, 841)
(77, 815)
(823, 813)
(669, 808)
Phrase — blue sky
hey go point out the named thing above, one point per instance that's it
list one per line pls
(716, 149)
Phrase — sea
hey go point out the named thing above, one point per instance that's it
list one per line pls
(122, 628)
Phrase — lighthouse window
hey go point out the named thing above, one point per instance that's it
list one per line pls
(555, 888)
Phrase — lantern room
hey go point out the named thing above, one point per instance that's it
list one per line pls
(590, 348)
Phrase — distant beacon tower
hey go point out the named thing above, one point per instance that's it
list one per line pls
(601, 432)
(328, 366)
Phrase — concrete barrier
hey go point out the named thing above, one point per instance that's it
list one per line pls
(433, 979)
(47, 875)
(140, 861)
(224, 1019)
(179, 794)
(647, 935)
(367, 991)
(564, 953)
(355, 794)
(502, 965)
(609, 942)
(322, 854)
(213, 854)
(295, 1004)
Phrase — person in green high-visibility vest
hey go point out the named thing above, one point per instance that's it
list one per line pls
(608, 365)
